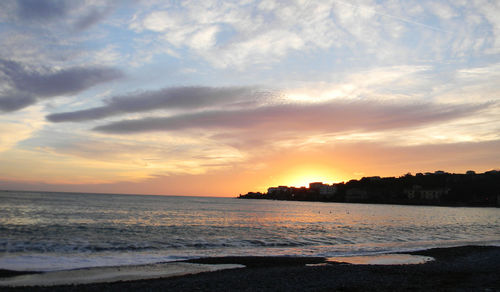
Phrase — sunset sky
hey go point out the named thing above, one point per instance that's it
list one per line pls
(225, 97)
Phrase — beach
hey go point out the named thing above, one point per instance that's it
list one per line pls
(467, 268)
(95, 242)
(264, 145)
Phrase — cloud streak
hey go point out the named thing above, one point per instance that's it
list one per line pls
(42, 10)
(329, 117)
(46, 11)
(185, 98)
(25, 87)
(92, 17)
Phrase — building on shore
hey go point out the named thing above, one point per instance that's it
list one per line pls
(356, 195)
(322, 189)
(416, 192)
(274, 190)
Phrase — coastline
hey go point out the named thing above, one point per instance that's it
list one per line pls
(430, 189)
(466, 268)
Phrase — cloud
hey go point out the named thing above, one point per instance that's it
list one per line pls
(90, 157)
(93, 16)
(16, 127)
(167, 98)
(49, 10)
(229, 35)
(15, 100)
(26, 87)
(42, 9)
(302, 119)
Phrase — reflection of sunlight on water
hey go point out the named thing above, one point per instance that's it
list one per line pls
(153, 228)
(383, 259)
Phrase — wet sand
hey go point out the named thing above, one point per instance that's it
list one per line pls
(469, 268)
(112, 274)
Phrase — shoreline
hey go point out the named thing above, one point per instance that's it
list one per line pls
(413, 204)
(464, 268)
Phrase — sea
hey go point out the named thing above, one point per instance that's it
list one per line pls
(44, 231)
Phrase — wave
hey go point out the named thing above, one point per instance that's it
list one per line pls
(82, 228)
(52, 261)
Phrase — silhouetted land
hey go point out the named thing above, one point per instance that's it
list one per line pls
(438, 188)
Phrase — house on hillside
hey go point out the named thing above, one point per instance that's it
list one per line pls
(274, 190)
(328, 191)
(356, 195)
(417, 192)
(432, 194)
(414, 192)
(324, 190)
(316, 186)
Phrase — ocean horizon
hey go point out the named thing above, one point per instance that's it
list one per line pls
(50, 231)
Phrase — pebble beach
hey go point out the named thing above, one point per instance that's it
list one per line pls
(466, 268)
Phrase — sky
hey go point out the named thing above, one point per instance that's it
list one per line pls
(218, 98)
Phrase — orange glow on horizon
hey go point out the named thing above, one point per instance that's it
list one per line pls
(302, 176)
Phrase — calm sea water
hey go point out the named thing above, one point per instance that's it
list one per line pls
(55, 231)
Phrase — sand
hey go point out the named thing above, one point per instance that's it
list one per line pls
(470, 268)
(383, 259)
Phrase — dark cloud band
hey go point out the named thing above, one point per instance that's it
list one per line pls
(334, 116)
(187, 98)
(26, 87)
(15, 101)
(43, 9)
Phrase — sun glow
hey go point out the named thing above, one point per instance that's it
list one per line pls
(303, 176)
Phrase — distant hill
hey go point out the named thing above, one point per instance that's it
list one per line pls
(438, 188)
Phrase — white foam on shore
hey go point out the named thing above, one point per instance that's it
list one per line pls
(383, 259)
(112, 274)
(49, 262)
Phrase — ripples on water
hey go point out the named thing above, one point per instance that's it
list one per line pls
(56, 230)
